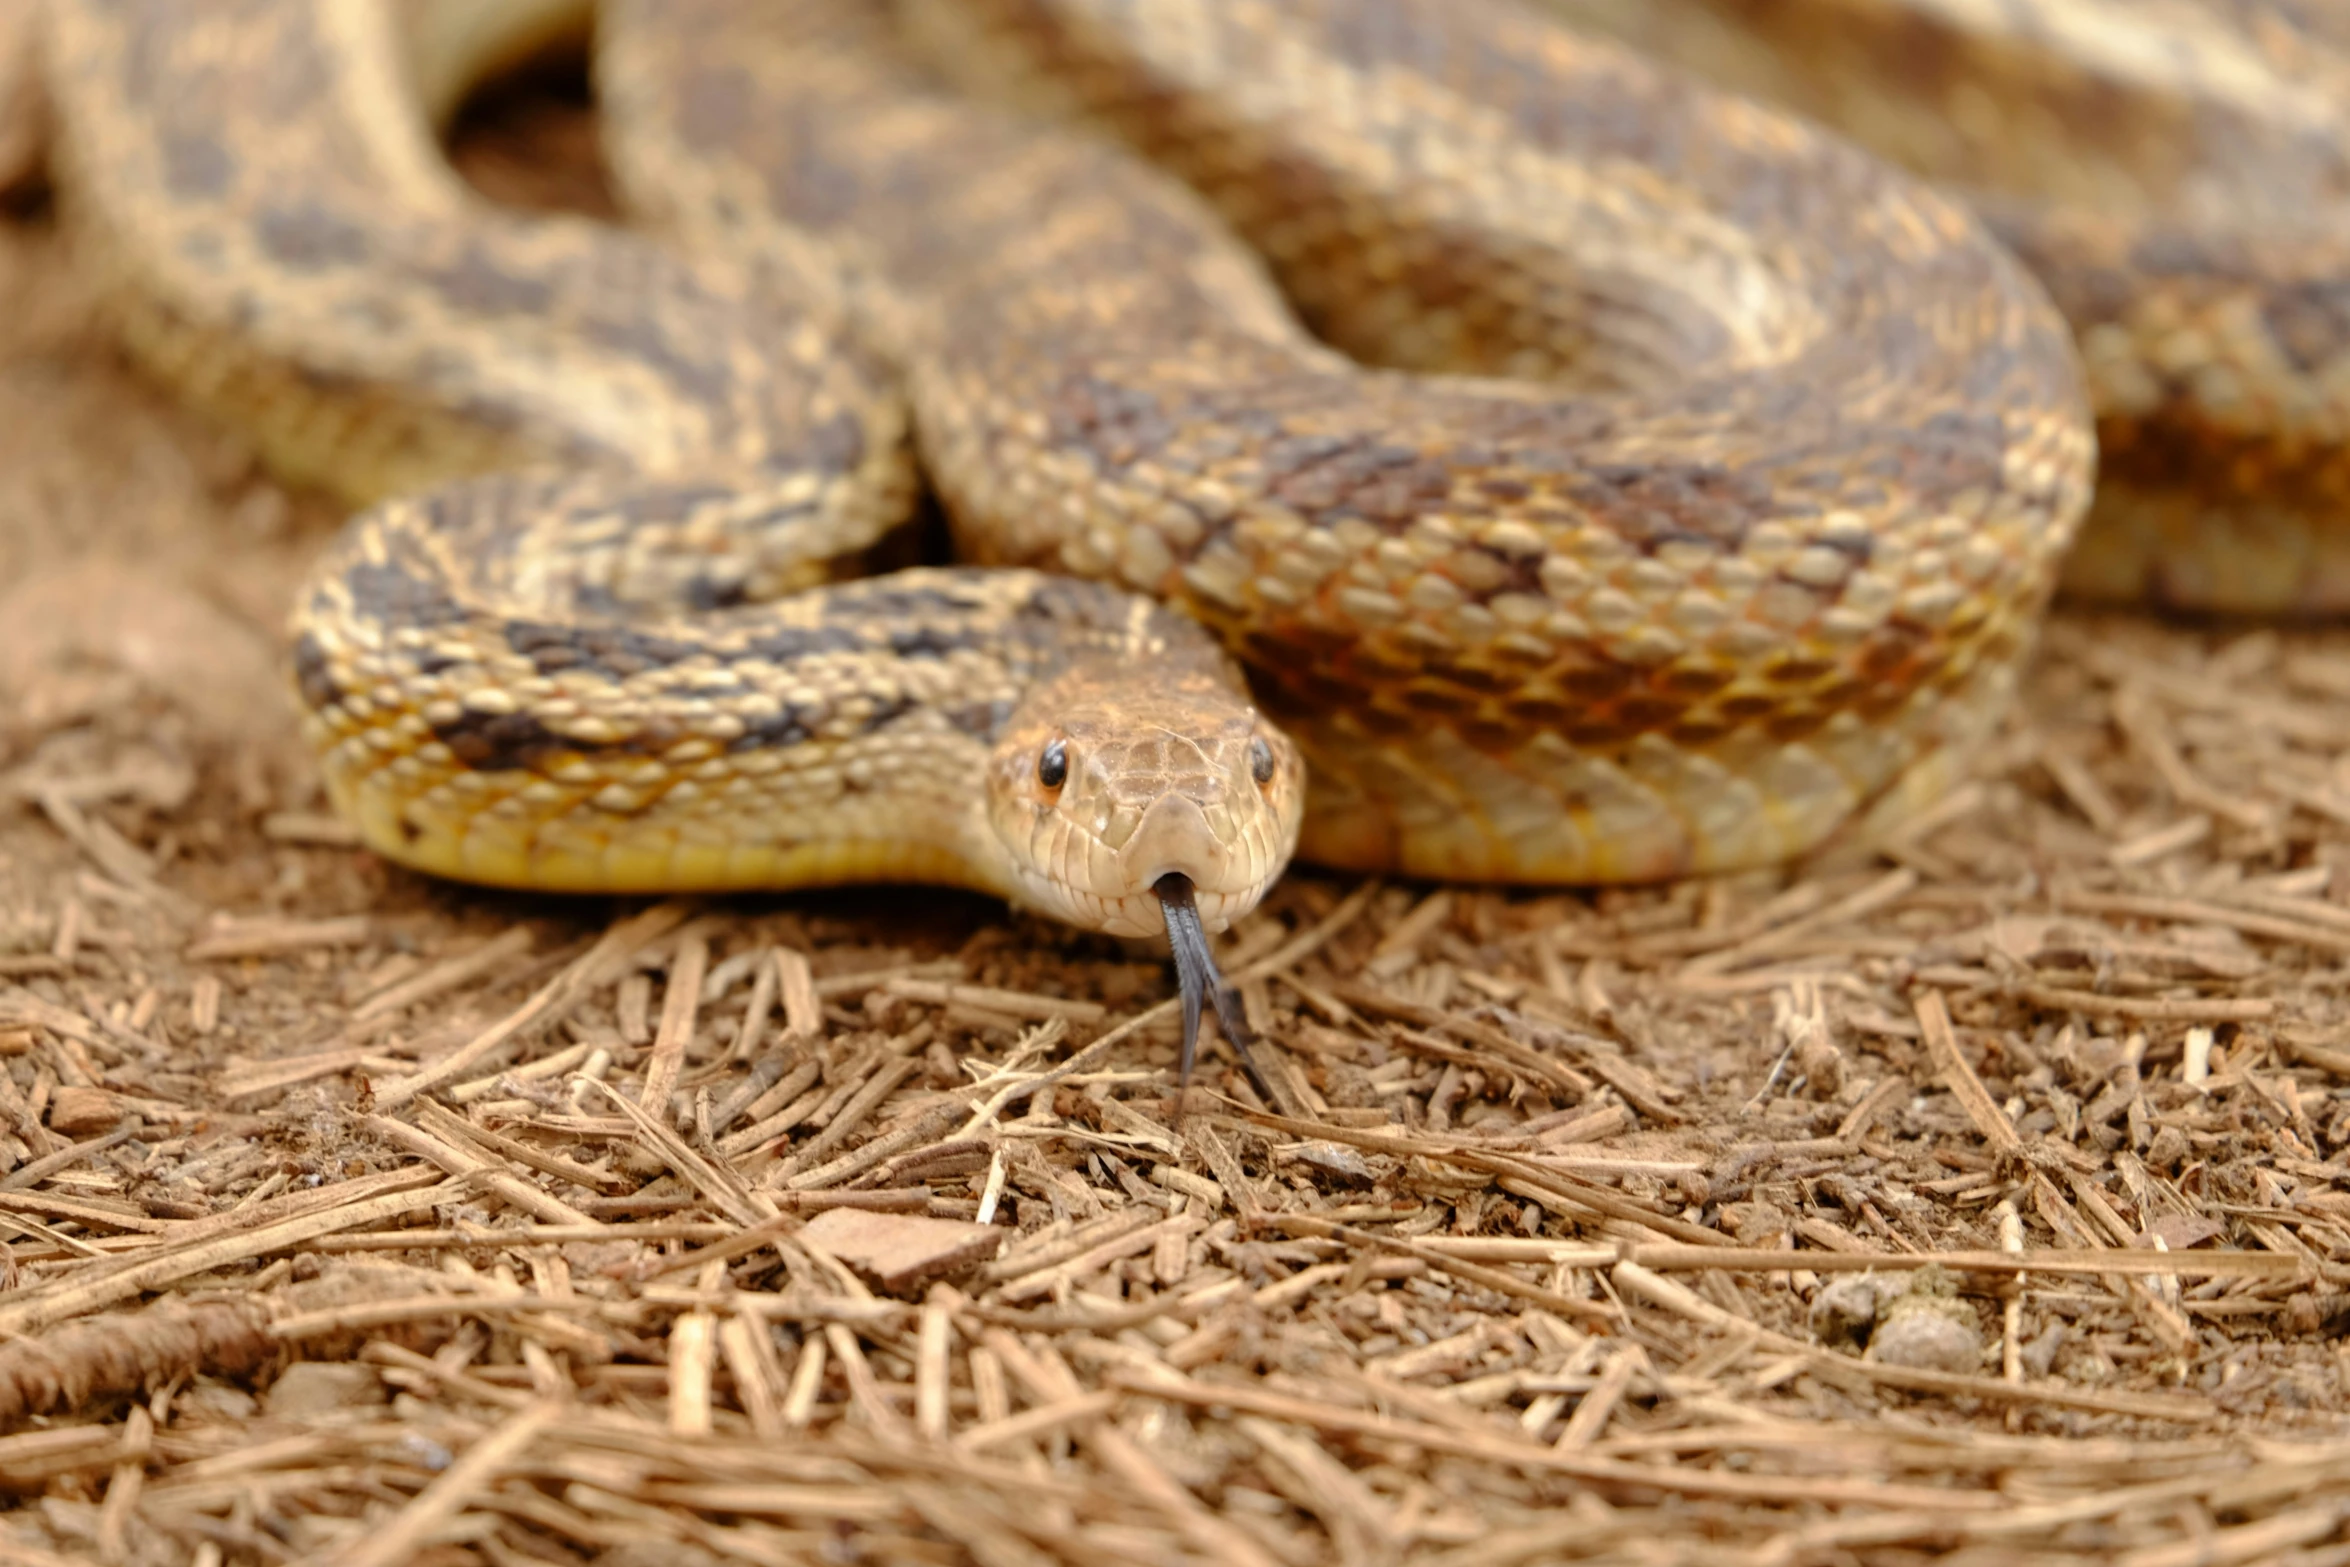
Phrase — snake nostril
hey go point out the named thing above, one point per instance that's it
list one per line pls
(1175, 834)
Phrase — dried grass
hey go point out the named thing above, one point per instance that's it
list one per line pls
(352, 1218)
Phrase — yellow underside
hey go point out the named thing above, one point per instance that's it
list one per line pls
(550, 857)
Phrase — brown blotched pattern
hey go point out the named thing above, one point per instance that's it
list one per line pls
(1599, 477)
(1691, 486)
(2177, 172)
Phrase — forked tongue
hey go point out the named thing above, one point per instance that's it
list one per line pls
(1195, 972)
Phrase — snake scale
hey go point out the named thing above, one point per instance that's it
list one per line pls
(2178, 173)
(1408, 431)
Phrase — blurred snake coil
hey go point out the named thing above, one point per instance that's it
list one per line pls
(1595, 476)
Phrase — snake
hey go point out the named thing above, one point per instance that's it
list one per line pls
(1412, 435)
(2177, 172)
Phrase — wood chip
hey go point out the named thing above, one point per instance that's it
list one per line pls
(864, 1226)
(901, 1251)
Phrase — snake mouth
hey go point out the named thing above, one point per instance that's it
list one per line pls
(1202, 984)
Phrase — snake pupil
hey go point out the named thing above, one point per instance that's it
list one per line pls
(1052, 766)
(1260, 760)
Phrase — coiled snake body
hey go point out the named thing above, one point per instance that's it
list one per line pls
(1598, 477)
(2178, 173)
(1690, 491)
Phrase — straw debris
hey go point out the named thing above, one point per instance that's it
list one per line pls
(867, 1227)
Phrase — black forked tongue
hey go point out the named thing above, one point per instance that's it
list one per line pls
(1195, 971)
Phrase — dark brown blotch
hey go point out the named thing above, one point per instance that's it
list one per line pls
(198, 167)
(307, 236)
(391, 593)
(1598, 730)
(1437, 700)
(1596, 682)
(313, 676)
(614, 652)
(1696, 734)
(1383, 724)
(793, 725)
(637, 336)
(502, 742)
(478, 285)
(1791, 724)
(1650, 711)
(932, 641)
(1693, 680)
(981, 720)
(1539, 712)
(1747, 708)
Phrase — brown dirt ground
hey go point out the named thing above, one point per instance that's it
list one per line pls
(334, 1229)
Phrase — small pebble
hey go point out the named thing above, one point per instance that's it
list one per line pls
(1761, 1224)
(1927, 1341)
(1844, 1311)
(311, 1388)
(1927, 1327)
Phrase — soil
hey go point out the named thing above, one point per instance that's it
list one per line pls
(1979, 1196)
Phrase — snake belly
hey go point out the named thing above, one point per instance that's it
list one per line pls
(2178, 173)
(1601, 478)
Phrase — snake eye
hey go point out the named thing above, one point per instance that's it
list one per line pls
(1052, 764)
(1260, 760)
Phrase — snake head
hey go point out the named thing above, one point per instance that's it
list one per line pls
(1111, 777)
